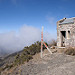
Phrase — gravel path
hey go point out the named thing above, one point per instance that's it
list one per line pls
(55, 64)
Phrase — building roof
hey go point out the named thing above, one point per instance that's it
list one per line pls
(67, 21)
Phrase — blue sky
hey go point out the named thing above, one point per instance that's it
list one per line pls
(21, 21)
(15, 13)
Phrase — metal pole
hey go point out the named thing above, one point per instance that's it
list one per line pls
(42, 42)
(47, 48)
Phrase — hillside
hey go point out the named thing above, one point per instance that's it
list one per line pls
(55, 64)
(28, 62)
(18, 58)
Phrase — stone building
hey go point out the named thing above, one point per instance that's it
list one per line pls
(66, 32)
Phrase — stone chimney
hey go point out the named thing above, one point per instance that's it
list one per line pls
(62, 20)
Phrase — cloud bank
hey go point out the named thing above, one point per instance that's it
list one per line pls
(11, 42)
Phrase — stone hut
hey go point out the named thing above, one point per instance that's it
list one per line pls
(66, 32)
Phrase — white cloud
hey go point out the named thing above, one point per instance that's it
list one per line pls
(12, 41)
(51, 20)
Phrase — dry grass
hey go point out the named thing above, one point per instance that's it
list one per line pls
(70, 51)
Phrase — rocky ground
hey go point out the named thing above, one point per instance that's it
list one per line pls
(55, 64)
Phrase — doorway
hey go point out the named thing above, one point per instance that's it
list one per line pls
(63, 37)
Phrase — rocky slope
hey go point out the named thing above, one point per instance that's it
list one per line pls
(55, 64)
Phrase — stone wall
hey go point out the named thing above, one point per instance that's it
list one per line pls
(66, 27)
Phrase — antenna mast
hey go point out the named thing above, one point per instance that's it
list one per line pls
(42, 42)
